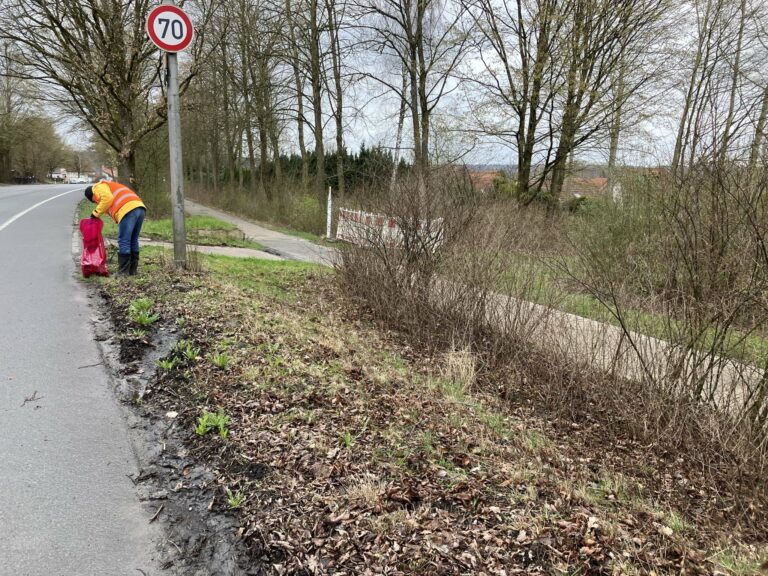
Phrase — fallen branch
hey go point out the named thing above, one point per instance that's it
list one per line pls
(33, 398)
(157, 513)
(90, 366)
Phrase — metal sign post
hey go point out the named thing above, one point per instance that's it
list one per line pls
(171, 30)
(177, 171)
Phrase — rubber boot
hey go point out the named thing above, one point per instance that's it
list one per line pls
(134, 263)
(123, 264)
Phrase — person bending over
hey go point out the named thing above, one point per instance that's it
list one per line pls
(127, 210)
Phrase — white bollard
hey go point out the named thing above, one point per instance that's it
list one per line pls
(329, 219)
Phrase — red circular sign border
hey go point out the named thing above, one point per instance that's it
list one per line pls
(155, 13)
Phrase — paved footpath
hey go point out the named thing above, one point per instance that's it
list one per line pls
(285, 245)
(232, 251)
(67, 506)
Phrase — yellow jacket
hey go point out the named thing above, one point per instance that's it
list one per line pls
(104, 195)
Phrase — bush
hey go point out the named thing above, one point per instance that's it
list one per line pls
(504, 187)
(441, 283)
(470, 285)
(686, 260)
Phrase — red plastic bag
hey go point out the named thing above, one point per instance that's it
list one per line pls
(94, 258)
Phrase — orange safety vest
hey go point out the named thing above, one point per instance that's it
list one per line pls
(121, 196)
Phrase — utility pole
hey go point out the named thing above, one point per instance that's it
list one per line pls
(177, 170)
(171, 30)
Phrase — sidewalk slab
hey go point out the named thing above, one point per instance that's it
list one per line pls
(233, 251)
(285, 245)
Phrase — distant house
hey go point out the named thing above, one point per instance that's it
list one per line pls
(110, 172)
(482, 181)
(585, 187)
(58, 175)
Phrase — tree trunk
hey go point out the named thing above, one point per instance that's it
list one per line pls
(422, 87)
(418, 163)
(127, 170)
(247, 88)
(613, 146)
(317, 99)
(564, 150)
(278, 169)
(333, 25)
(263, 152)
(400, 123)
(690, 94)
(757, 141)
(225, 93)
(251, 152)
(299, 97)
(240, 162)
(572, 105)
(736, 73)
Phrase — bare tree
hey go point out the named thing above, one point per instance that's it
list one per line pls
(316, 80)
(298, 79)
(336, 14)
(551, 76)
(94, 59)
(720, 93)
(427, 39)
(14, 98)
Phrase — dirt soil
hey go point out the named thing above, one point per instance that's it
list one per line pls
(344, 451)
(177, 489)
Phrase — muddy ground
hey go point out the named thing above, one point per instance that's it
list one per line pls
(176, 489)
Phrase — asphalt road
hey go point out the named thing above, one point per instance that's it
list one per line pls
(67, 507)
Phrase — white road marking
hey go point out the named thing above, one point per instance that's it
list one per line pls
(13, 219)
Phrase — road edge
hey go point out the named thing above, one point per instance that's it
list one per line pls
(173, 490)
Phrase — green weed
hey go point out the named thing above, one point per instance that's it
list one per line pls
(235, 499)
(220, 360)
(347, 439)
(210, 422)
(167, 364)
(677, 523)
(140, 312)
(740, 564)
(608, 489)
(427, 442)
(185, 348)
(271, 354)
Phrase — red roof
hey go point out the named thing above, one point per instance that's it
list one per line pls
(586, 186)
(483, 180)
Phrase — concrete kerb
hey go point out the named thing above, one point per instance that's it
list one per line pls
(232, 251)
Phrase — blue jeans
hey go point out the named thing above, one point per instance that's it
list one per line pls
(128, 231)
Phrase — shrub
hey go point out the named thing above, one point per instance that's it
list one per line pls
(440, 283)
(686, 260)
(210, 422)
(140, 312)
(669, 257)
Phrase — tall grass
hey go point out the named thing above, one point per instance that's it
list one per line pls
(289, 206)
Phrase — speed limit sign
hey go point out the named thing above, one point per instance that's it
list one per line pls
(169, 28)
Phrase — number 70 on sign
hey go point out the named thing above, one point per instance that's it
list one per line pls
(169, 28)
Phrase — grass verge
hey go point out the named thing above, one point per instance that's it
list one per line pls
(200, 230)
(556, 287)
(346, 451)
